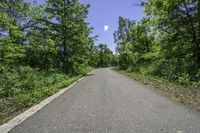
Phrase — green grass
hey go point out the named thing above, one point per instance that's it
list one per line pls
(24, 87)
(140, 77)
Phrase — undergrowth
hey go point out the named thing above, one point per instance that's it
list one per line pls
(23, 87)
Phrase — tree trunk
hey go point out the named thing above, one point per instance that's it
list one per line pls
(65, 65)
(199, 32)
(194, 34)
(147, 45)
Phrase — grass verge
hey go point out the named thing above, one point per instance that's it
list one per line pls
(186, 95)
(26, 92)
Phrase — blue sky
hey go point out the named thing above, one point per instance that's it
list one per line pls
(103, 16)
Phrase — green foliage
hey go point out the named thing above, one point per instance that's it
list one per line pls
(27, 79)
(166, 43)
(24, 100)
(42, 49)
(70, 32)
(12, 18)
(81, 69)
(11, 54)
(105, 56)
(102, 56)
(24, 87)
(45, 36)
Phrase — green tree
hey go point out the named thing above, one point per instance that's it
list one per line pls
(121, 37)
(13, 20)
(165, 43)
(105, 56)
(71, 32)
(177, 24)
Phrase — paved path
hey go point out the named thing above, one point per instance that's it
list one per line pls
(107, 102)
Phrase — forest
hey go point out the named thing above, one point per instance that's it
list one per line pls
(44, 47)
(164, 44)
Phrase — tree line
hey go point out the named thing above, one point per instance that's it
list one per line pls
(46, 44)
(51, 35)
(165, 43)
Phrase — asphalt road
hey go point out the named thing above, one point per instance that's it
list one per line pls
(107, 102)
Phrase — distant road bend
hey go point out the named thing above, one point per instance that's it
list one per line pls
(107, 102)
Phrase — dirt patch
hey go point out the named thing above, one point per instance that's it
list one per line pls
(189, 97)
(7, 110)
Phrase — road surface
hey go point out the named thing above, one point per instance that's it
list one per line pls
(107, 102)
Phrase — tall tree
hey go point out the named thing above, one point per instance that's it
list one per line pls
(105, 56)
(71, 30)
(13, 20)
(177, 22)
(121, 37)
(165, 43)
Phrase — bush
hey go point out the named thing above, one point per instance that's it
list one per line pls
(26, 79)
(24, 86)
(174, 70)
(80, 69)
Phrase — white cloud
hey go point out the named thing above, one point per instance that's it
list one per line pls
(106, 27)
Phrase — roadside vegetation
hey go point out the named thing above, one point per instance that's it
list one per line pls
(166, 43)
(43, 48)
(163, 49)
(188, 96)
(163, 46)
(24, 87)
